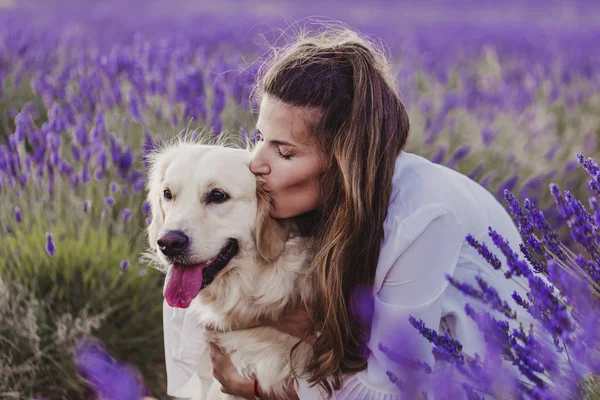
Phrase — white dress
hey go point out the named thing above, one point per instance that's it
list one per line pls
(432, 209)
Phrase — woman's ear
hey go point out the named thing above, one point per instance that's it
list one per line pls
(270, 234)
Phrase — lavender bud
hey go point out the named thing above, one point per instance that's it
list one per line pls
(127, 214)
(50, 248)
(146, 207)
(139, 185)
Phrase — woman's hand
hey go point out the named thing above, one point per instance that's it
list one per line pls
(232, 381)
(297, 323)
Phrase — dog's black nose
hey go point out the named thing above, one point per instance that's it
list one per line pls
(173, 243)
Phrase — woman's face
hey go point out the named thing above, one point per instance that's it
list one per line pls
(287, 158)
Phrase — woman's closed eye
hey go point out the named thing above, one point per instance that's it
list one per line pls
(275, 144)
(285, 155)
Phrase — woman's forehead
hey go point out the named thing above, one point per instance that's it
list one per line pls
(280, 121)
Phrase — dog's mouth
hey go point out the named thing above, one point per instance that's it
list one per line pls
(184, 282)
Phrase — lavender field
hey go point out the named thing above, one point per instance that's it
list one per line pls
(507, 93)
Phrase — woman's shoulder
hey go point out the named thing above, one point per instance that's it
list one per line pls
(419, 183)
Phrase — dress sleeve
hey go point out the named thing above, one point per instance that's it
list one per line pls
(187, 355)
(416, 254)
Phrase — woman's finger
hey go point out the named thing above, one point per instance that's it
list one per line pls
(214, 348)
(226, 390)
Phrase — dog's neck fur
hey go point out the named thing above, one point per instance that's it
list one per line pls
(264, 292)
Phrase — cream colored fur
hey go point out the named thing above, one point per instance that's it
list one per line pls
(265, 278)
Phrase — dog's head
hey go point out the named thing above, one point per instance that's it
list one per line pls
(207, 208)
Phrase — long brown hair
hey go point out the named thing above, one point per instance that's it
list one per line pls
(361, 127)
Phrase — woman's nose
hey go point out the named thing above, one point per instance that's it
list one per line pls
(258, 166)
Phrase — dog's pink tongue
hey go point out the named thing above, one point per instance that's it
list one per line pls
(183, 285)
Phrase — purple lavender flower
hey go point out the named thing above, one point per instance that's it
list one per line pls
(134, 105)
(593, 170)
(102, 158)
(109, 378)
(50, 248)
(484, 252)
(486, 180)
(98, 132)
(24, 126)
(508, 184)
(595, 206)
(146, 207)
(515, 266)
(447, 349)
(125, 161)
(409, 374)
(581, 222)
(458, 155)
(476, 171)
(487, 135)
(127, 214)
(550, 240)
(18, 215)
(438, 158)
(139, 185)
(552, 152)
(85, 174)
(75, 152)
(124, 264)
(570, 166)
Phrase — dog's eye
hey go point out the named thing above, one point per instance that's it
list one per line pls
(217, 196)
(168, 195)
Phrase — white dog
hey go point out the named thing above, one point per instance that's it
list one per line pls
(227, 259)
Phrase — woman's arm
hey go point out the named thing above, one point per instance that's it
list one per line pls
(298, 324)
(233, 383)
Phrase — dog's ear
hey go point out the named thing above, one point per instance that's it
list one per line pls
(271, 234)
(158, 161)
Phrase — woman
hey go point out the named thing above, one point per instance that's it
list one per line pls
(333, 130)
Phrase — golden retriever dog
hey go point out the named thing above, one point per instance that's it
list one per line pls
(226, 259)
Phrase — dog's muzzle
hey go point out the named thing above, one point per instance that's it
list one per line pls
(173, 243)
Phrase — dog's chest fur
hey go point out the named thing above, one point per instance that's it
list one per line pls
(268, 292)
(244, 296)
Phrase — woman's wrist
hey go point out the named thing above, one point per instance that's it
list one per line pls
(245, 388)
(259, 393)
